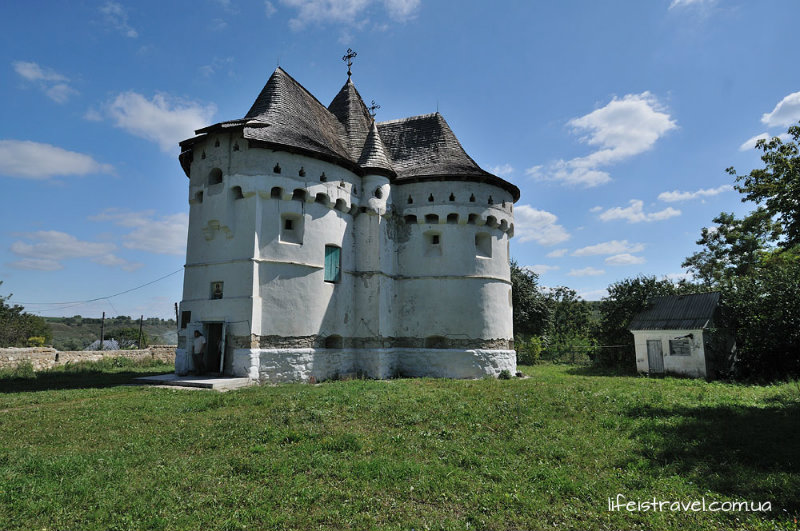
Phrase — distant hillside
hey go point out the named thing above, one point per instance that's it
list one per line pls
(76, 333)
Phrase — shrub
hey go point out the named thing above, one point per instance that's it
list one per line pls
(528, 350)
(505, 374)
(36, 341)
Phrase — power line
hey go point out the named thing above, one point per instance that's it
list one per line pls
(107, 296)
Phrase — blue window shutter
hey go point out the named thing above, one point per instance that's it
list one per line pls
(332, 263)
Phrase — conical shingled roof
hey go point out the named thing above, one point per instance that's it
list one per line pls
(424, 147)
(349, 109)
(285, 113)
(374, 157)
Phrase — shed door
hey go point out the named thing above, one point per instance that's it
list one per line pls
(655, 359)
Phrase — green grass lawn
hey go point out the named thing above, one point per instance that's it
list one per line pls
(79, 449)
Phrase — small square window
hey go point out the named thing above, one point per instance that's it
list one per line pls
(680, 347)
(216, 290)
(435, 239)
(185, 318)
(291, 228)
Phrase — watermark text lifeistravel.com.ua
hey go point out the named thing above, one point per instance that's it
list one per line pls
(621, 503)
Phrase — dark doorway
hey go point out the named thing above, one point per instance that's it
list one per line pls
(213, 340)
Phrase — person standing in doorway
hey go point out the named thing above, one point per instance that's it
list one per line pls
(198, 352)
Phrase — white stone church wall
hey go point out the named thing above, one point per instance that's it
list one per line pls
(390, 285)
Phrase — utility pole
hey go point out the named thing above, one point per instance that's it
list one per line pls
(102, 330)
(139, 343)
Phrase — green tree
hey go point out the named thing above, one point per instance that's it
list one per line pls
(625, 299)
(733, 248)
(570, 324)
(777, 185)
(763, 307)
(755, 263)
(531, 311)
(16, 326)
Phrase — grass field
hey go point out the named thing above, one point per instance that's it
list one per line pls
(79, 449)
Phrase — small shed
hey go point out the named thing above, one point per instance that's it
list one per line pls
(678, 334)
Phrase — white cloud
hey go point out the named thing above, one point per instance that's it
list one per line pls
(228, 6)
(325, 11)
(750, 143)
(502, 170)
(160, 235)
(586, 272)
(401, 10)
(54, 85)
(541, 269)
(346, 12)
(675, 195)
(785, 113)
(621, 129)
(45, 250)
(625, 259)
(60, 93)
(686, 3)
(163, 120)
(595, 209)
(32, 160)
(269, 8)
(593, 295)
(34, 72)
(116, 16)
(609, 247)
(635, 213)
(677, 277)
(36, 264)
(115, 261)
(218, 24)
(558, 253)
(218, 64)
(540, 226)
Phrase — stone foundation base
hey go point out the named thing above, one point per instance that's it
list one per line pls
(300, 365)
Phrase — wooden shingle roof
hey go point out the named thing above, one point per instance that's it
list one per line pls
(677, 312)
(374, 157)
(425, 148)
(286, 116)
(348, 107)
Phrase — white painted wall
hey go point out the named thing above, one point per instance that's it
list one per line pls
(693, 365)
(393, 284)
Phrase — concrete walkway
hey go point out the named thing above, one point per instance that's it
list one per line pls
(216, 383)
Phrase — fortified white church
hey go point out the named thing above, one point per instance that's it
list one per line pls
(324, 244)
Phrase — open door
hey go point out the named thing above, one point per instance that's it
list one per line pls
(214, 335)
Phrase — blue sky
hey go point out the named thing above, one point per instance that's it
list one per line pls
(615, 119)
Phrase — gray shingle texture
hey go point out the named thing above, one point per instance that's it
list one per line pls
(286, 115)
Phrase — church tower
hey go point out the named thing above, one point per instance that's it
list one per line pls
(323, 243)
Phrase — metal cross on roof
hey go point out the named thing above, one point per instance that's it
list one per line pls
(373, 109)
(348, 58)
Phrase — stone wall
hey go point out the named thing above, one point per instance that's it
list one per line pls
(45, 358)
(301, 365)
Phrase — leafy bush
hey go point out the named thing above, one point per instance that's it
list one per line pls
(36, 341)
(529, 350)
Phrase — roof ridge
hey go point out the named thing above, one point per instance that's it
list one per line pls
(410, 118)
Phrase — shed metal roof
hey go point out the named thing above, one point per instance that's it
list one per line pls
(677, 312)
